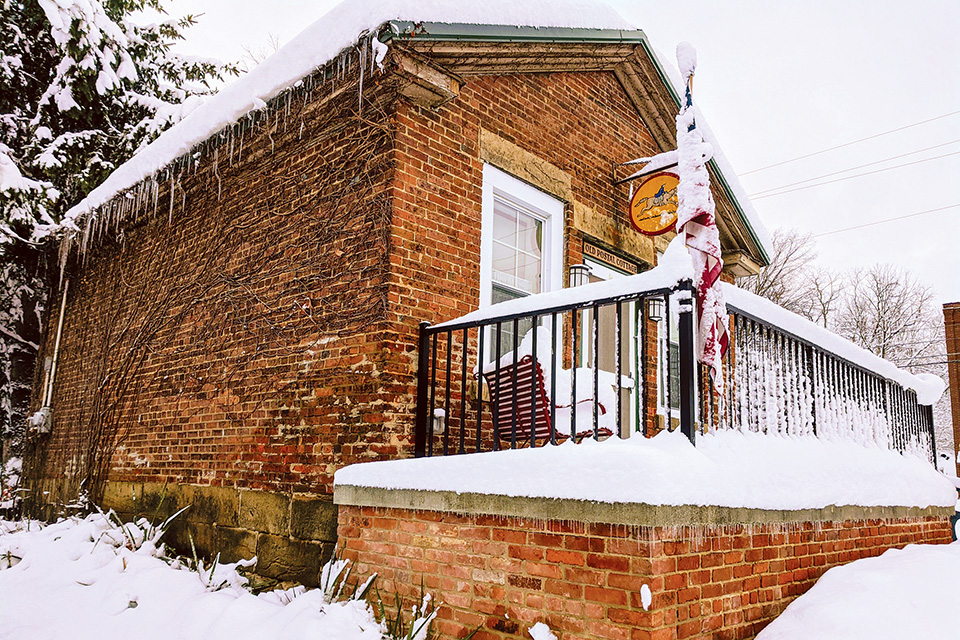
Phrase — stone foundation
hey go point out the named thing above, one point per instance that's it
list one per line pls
(291, 534)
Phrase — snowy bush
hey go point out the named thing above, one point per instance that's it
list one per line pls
(83, 86)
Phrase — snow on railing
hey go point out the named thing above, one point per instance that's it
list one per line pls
(592, 361)
(573, 363)
(787, 375)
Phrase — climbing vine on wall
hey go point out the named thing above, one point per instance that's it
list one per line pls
(203, 320)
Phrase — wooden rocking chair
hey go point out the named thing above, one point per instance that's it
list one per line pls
(520, 387)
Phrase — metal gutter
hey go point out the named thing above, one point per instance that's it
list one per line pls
(446, 32)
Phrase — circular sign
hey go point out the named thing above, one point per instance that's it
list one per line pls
(653, 207)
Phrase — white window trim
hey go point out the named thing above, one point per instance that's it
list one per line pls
(542, 205)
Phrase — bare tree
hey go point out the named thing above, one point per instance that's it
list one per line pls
(887, 311)
(253, 56)
(781, 280)
(821, 292)
(794, 282)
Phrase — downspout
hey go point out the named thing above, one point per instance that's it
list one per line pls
(41, 419)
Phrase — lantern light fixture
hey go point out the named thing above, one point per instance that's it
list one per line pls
(579, 274)
(655, 309)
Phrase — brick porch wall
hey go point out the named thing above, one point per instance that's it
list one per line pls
(505, 573)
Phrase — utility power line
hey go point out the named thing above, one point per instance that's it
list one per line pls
(869, 164)
(847, 144)
(859, 175)
(870, 224)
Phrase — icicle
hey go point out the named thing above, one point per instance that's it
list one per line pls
(362, 69)
(155, 185)
(216, 169)
(756, 382)
(768, 384)
(172, 189)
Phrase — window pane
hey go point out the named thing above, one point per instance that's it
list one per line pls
(517, 249)
(528, 234)
(504, 223)
(504, 264)
(674, 375)
(528, 273)
(500, 294)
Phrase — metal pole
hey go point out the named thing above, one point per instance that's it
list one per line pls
(48, 391)
(423, 367)
(928, 418)
(688, 381)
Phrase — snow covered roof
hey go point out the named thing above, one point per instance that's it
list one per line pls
(340, 29)
(318, 44)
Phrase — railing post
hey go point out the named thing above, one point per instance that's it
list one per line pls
(928, 419)
(688, 383)
(423, 384)
(809, 355)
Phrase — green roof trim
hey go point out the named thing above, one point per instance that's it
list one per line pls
(444, 32)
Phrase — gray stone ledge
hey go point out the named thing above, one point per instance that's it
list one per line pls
(630, 514)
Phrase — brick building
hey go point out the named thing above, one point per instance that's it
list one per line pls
(241, 319)
(951, 323)
(240, 307)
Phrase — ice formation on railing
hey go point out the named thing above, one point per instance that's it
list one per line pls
(777, 384)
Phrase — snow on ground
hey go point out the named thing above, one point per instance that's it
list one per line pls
(727, 469)
(81, 579)
(905, 593)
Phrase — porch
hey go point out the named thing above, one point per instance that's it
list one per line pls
(642, 535)
(617, 359)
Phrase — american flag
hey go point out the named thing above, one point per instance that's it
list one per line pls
(697, 221)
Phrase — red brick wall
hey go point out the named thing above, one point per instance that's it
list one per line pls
(236, 338)
(951, 321)
(581, 123)
(262, 332)
(504, 574)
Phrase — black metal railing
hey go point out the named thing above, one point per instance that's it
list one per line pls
(572, 370)
(777, 382)
(605, 366)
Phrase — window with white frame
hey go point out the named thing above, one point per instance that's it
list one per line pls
(521, 243)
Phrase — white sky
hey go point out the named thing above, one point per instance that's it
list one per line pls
(778, 80)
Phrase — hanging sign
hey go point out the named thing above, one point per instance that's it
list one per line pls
(653, 207)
